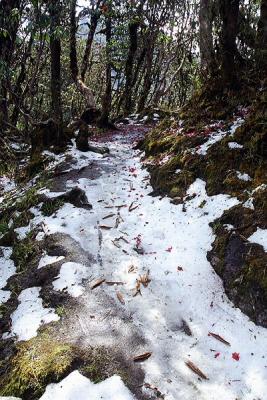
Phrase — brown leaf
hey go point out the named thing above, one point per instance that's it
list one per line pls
(142, 357)
(196, 370)
(218, 337)
(137, 288)
(114, 283)
(145, 279)
(132, 268)
(120, 298)
(132, 207)
(97, 283)
(105, 227)
(109, 216)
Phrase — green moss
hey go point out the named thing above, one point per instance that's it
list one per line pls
(29, 200)
(22, 219)
(101, 364)
(51, 206)
(4, 228)
(24, 251)
(36, 363)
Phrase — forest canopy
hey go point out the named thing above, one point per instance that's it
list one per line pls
(60, 57)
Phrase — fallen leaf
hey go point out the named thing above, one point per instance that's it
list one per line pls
(236, 356)
(217, 355)
(106, 227)
(142, 357)
(132, 207)
(218, 337)
(97, 283)
(180, 269)
(132, 268)
(169, 250)
(145, 279)
(109, 216)
(195, 369)
(120, 298)
(111, 283)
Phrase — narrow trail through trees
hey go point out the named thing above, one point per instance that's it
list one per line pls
(137, 282)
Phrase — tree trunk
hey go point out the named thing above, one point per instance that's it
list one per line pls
(147, 79)
(89, 41)
(205, 35)
(107, 97)
(83, 89)
(55, 57)
(9, 24)
(133, 29)
(229, 14)
(262, 37)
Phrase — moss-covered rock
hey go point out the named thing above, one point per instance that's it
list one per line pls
(36, 363)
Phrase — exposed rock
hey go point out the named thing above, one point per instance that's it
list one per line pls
(82, 139)
(75, 196)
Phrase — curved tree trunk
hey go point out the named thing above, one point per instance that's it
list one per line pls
(81, 86)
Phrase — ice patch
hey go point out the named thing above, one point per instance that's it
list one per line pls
(71, 277)
(259, 237)
(77, 387)
(7, 269)
(30, 315)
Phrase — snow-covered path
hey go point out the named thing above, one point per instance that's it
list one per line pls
(157, 252)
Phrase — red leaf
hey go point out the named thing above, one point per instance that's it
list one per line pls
(236, 356)
(169, 250)
(132, 169)
(217, 355)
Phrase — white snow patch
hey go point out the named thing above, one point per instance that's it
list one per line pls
(178, 171)
(219, 135)
(234, 145)
(249, 203)
(48, 260)
(259, 237)
(71, 277)
(243, 176)
(30, 315)
(229, 227)
(7, 269)
(259, 188)
(77, 387)
(7, 184)
(176, 239)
